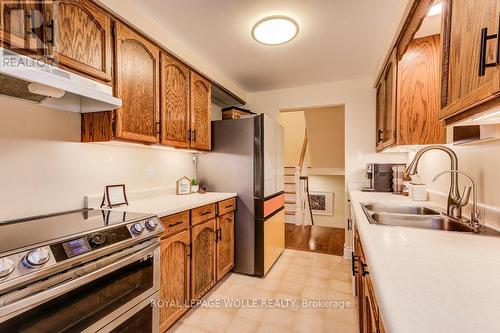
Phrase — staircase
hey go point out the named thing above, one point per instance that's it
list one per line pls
(297, 208)
(291, 186)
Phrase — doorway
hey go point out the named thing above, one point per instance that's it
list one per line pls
(314, 157)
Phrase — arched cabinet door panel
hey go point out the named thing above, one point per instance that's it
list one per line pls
(78, 35)
(137, 84)
(203, 258)
(174, 103)
(201, 90)
(174, 278)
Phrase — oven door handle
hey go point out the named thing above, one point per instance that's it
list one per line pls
(76, 279)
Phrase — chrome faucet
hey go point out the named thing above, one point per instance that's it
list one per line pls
(454, 208)
(475, 215)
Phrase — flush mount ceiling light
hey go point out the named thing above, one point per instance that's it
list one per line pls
(275, 30)
(436, 9)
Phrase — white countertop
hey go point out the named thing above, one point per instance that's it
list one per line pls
(171, 204)
(430, 280)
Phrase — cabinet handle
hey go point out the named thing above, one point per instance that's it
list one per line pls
(364, 271)
(482, 52)
(205, 213)
(52, 27)
(229, 206)
(379, 135)
(353, 264)
(190, 250)
(220, 234)
(193, 132)
(32, 29)
(174, 224)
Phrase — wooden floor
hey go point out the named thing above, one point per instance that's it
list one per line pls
(315, 238)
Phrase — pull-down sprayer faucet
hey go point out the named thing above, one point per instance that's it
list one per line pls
(455, 201)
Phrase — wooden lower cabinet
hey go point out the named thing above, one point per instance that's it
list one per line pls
(369, 315)
(203, 258)
(225, 244)
(194, 257)
(174, 277)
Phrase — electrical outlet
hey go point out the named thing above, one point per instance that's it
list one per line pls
(150, 173)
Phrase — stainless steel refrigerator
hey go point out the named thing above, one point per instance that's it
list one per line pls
(247, 158)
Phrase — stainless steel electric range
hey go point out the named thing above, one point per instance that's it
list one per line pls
(80, 271)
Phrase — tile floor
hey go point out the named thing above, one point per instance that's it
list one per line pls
(297, 276)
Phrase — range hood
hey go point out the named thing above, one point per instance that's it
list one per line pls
(36, 81)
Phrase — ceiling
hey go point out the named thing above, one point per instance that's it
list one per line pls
(338, 39)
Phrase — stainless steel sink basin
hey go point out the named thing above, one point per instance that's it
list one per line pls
(419, 217)
(419, 221)
(400, 209)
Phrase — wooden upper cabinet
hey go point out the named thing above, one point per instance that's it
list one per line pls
(174, 278)
(174, 102)
(468, 25)
(203, 258)
(379, 131)
(225, 244)
(386, 105)
(21, 25)
(200, 112)
(418, 98)
(78, 36)
(137, 84)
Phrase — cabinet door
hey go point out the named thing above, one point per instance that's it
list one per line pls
(174, 102)
(200, 112)
(174, 278)
(389, 114)
(203, 258)
(80, 37)
(379, 130)
(225, 244)
(21, 25)
(463, 85)
(137, 84)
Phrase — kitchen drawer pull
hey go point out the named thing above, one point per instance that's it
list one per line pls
(174, 224)
(205, 213)
(229, 206)
(353, 264)
(190, 250)
(482, 52)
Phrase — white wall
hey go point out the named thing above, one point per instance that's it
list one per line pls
(294, 125)
(44, 168)
(482, 162)
(358, 96)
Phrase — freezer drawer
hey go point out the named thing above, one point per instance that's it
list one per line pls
(274, 239)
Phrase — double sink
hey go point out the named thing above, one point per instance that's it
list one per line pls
(417, 217)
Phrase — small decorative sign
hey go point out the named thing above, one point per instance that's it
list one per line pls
(114, 196)
(184, 186)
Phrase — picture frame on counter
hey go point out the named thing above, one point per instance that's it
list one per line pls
(114, 196)
(183, 186)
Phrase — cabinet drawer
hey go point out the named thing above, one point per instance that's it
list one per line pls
(175, 223)
(202, 214)
(226, 206)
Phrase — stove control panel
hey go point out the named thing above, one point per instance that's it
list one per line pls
(46, 257)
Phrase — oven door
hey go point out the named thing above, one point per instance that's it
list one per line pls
(88, 298)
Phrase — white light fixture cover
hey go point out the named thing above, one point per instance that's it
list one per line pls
(275, 30)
